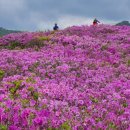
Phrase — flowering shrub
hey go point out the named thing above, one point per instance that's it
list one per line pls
(23, 40)
(77, 79)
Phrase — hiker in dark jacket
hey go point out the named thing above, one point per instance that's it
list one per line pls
(55, 27)
(95, 21)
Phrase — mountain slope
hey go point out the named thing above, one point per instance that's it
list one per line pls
(5, 31)
(123, 23)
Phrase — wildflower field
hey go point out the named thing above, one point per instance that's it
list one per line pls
(72, 79)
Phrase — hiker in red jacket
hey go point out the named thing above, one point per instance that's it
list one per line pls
(95, 22)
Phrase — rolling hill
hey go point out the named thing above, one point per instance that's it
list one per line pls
(4, 31)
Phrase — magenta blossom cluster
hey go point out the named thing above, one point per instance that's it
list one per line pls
(79, 81)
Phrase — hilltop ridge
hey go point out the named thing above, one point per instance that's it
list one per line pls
(4, 31)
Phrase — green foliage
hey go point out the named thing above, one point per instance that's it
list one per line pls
(24, 102)
(17, 83)
(49, 128)
(30, 80)
(128, 62)
(13, 45)
(35, 95)
(38, 42)
(12, 90)
(125, 104)
(3, 127)
(66, 126)
(52, 128)
(36, 64)
(92, 66)
(47, 75)
(2, 73)
(98, 119)
(94, 100)
(104, 47)
(111, 126)
(44, 38)
(16, 86)
(120, 112)
(31, 89)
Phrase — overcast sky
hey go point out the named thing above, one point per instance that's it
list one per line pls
(35, 15)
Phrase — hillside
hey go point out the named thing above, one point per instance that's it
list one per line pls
(123, 23)
(71, 79)
(5, 31)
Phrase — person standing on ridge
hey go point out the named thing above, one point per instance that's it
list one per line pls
(95, 22)
(55, 27)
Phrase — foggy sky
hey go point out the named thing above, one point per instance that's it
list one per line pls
(35, 15)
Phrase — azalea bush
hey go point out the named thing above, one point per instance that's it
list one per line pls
(73, 79)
